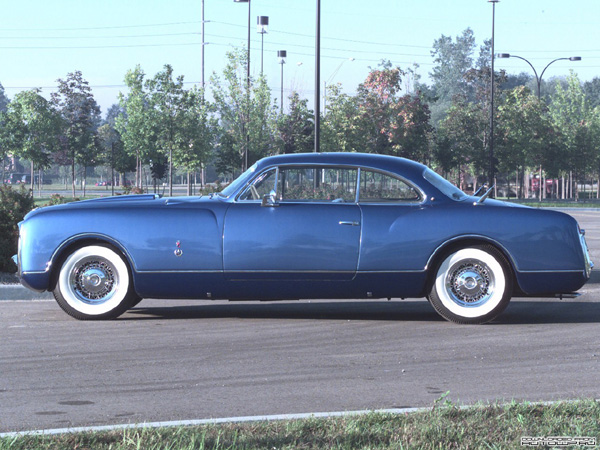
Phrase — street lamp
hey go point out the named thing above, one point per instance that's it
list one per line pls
(262, 23)
(329, 81)
(538, 79)
(491, 173)
(248, 83)
(281, 54)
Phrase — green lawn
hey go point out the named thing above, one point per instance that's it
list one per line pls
(445, 426)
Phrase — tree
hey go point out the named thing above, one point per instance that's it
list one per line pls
(571, 114)
(168, 101)
(452, 59)
(524, 134)
(81, 117)
(463, 137)
(246, 115)
(199, 132)
(137, 125)
(4, 101)
(592, 92)
(341, 130)
(296, 128)
(32, 127)
(394, 125)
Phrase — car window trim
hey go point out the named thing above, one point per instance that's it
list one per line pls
(417, 189)
(319, 166)
(357, 201)
(258, 177)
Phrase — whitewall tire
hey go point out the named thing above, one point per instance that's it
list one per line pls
(94, 282)
(472, 285)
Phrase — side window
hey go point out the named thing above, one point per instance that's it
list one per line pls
(380, 187)
(317, 184)
(260, 187)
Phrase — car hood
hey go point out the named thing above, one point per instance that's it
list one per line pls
(119, 202)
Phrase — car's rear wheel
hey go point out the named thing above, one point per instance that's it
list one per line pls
(472, 285)
(94, 282)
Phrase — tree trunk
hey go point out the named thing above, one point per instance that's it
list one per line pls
(32, 178)
(73, 176)
(540, 184)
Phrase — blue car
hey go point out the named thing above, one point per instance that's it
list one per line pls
(305, 226)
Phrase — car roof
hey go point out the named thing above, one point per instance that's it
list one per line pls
(369, 160)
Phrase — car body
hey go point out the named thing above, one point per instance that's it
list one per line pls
(305, 226)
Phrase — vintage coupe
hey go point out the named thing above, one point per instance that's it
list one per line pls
(305, 226)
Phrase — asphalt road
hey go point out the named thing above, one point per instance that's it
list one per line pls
(171, 360)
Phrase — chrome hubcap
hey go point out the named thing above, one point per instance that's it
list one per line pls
(94, 281)
(470, 283)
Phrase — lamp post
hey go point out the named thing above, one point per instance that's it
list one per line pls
(329, 80)
(262, 23)
(318, 78)
(281, 54)
(538, 79)
(248, 88)
(491, 173)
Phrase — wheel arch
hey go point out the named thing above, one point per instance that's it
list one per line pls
(83, 240)
(460, 242)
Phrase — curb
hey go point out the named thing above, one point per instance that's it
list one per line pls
(18, 292)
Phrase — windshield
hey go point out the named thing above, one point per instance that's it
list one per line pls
(237, 183)
(444, 185)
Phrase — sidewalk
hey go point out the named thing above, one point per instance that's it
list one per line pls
(18, 292)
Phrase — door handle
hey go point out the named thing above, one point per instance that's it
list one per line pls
(349, 222)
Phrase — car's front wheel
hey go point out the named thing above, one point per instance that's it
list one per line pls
(94, 282)
(472, 285)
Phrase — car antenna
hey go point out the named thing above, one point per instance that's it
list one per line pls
(486, 195)
(479, 190)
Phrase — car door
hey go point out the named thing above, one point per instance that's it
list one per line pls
(309, 228)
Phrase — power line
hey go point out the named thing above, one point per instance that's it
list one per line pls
(100, 28)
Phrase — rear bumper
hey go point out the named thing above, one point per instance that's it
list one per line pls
(551, 283)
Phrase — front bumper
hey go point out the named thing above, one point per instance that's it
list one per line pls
(586, 253)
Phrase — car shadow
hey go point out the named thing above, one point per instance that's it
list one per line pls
(519, 311)
(334, 310)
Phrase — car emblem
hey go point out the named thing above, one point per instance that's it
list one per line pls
(178, 252)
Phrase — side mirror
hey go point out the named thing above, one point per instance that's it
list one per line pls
(270, 200)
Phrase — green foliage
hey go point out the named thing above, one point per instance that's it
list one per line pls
(31, 128)
(81, 116)
(296, 128)
(452, 58)
(341, 128)
(14, 205)
(247, 117)
(4, 101)
(57, 199)
(132, 190)
(137, 124)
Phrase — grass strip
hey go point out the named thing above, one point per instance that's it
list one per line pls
(445, 426)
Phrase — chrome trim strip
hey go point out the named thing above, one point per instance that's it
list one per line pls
(552, 271)
(282, 271)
